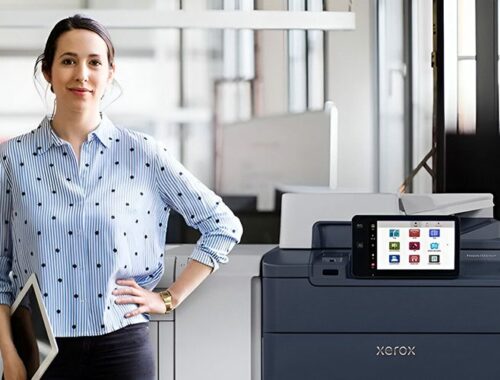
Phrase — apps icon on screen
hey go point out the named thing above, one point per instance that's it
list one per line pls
(434, 233)
(393, 233)
(414, 259)
(394, 259)
(414, 232)
(414, 245)
(434, 259)
(394, 246)
(434, 246)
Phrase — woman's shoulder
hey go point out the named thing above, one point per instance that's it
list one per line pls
(142, 142)
(20, 142)
(17, 148)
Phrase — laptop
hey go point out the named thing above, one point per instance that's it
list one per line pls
(31, 330)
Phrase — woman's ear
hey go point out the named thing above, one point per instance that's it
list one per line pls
(111, 73)
(47, 76)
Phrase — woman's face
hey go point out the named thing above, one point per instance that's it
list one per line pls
(81, 71)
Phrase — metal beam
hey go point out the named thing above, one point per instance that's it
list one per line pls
(159, 19)
(439, 135)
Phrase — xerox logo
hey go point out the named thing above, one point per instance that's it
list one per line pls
(396, 351)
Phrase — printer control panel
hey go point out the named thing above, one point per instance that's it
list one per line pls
(398, 246)
(330, 262)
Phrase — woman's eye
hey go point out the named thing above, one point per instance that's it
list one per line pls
(95, 63)
(68, 61)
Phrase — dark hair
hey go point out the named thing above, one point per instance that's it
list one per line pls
(65, 25)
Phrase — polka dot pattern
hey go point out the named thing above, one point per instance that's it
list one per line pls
(80, 226)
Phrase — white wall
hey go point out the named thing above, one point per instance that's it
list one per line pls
(271, 85)
(392, 86)
(351, 84)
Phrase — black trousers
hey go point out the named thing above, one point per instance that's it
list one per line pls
(125, 354)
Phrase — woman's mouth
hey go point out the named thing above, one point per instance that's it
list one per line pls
(80, 91)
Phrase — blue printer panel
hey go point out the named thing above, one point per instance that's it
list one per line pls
(297, 306)
(381, 356)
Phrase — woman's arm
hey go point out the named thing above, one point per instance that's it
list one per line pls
(6, 343)
(6, 297)
(202, 209)
(12, 363)
(13, 366)
(190, 278)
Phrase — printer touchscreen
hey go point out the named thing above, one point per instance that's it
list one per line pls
(405, 246)
(415, 245)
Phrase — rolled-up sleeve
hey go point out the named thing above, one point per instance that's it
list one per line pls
(6, 296)
(200, 207)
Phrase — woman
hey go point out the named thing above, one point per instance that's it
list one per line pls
(84, 205)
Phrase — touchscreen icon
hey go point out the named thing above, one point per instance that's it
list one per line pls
(394, 259)
(414, 232)
(434, 246)
(434, 259)
(434, 233)
(414, 259)
(393, 233)
(394, 246)
(414, 245)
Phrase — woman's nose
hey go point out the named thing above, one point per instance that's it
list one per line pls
(82, 73)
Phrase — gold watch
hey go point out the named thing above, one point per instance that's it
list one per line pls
(166, 296)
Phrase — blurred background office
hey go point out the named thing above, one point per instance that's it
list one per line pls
(223, 99)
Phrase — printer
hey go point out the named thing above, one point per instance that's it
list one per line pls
(319, 322)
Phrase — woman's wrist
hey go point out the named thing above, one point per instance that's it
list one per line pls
(175, 298)
(166, 299)
(7, 351)
(169, 300)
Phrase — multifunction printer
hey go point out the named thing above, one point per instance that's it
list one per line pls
(321, 322)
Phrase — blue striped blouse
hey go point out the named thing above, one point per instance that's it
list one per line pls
(82, 226)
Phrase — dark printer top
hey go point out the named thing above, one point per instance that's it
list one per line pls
(327, 263)
(310, 291)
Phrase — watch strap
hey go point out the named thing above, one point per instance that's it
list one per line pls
(166, 296)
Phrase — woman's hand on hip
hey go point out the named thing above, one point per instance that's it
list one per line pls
(147, 301)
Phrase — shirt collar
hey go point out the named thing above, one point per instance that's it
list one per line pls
(106, 131)
(47, 138)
